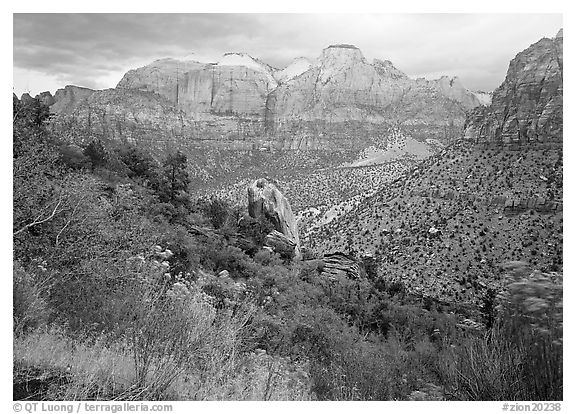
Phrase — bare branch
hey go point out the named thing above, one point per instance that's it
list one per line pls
(68, 221)
(38, 219)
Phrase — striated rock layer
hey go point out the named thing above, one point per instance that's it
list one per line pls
(527, 106)
(338, 264)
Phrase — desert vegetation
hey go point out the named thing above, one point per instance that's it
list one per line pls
(451, 246)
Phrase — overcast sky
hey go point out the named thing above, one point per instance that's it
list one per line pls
(95, 50)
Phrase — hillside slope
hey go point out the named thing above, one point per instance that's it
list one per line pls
(444, 228)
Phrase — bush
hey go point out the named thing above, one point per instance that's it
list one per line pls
(521, 356)
(30, 309)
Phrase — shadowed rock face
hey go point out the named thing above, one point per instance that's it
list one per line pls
(68, 98)
(528, 105)
(264, 199)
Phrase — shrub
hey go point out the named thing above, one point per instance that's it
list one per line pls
(521, 356)
(30, 309)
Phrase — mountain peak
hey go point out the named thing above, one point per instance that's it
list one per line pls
(341, 54)
(342, 46)
(560, 34)
(247, 61)
(237, 59)
(451, 81)
(296, 68)
(336, 59)
(385, 67)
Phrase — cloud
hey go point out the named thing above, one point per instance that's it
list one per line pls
(94, 50)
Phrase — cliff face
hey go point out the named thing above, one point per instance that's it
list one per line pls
(67, 99)
(238, 84)
(338, 101)
(296, 68)
(141, 117)
(342, 86)
(528, 105)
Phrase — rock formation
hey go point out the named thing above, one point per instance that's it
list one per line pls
(343, 86)
(238, 84)
(527, 106)
(67, 100)
(281, 244)
(296, 68)
(46, 98)
(340, 265)
(264, 199)
(246, 103)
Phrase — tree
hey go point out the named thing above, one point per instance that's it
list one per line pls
(97, 154)
(172, 184)
(139, 163)
(35, 169)
(29, 124)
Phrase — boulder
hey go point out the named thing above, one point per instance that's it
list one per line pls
(265, 200)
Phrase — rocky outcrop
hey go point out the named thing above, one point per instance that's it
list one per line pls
(26, 98)
(281, 244)
(453, 88)
(296, 68)
(338, 265)
(485, 98)
(264, 199)
(527, 106)
(66, 100)
(145, 118)
(46, 98)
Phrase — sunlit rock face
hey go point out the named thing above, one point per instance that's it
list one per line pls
(237, 84)
(342, 86)
(241, 102)
(264, 199)
(294, 69)
(527, 106)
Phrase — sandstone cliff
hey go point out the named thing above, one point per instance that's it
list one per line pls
(237, 84)
(68, 98)
(343, 86)
(338, 102)
(527, 106)
(296, 68)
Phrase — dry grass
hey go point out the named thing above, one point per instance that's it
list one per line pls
(180, 348)
(96, 370)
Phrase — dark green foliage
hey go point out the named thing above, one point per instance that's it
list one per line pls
(255, 229)
(218, 211)
(73, 157)
(29, 125)
(97, 154)
(172, 185)
(140, 164)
